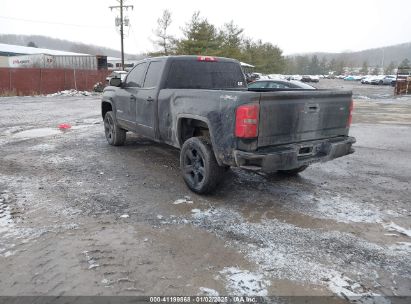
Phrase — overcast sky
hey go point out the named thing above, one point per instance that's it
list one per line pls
(296, 26)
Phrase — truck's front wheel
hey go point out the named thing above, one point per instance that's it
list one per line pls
(115, 135)
(199, 167)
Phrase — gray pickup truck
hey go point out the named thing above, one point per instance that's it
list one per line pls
(202, 106)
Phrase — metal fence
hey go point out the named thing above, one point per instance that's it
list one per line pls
(34, 81)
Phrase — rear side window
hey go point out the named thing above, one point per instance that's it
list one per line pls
(258, 85)
(277, 85)
(153, 74)
(191, 74)
(135, 77)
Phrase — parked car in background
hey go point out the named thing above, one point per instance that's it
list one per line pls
(295, 77)
(279, 84)
(377, 80)
(305, 78)
(353, 78)
(314, 78)
(251, 77)
(367, 79)
(309, 78)
(387, 80)
(117, 74)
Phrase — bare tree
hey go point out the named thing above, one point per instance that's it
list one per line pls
(165, 40)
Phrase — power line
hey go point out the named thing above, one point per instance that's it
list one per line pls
(55, 23)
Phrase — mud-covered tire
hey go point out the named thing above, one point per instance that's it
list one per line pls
(198, 165)
(115, 135)
(293, 171)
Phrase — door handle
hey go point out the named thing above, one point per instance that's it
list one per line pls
(150, 99)
(133, 98)
(313, 108)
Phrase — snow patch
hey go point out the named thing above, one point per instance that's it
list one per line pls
(244, 282)
(353, 291)
(90, 260)
(333, 206)
(394, 227)
(204, 291)
(199, 214)
(403, 247)
(286, 251)
(6, 220)
(43, 147)
(341, 209)
(362, 97)
(8, 253)
(57, 159)
(185, 200)
(71, 93)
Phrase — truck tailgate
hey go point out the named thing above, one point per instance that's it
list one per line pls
(290, 117)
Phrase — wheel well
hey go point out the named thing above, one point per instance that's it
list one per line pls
(190, 127)
(105, 107)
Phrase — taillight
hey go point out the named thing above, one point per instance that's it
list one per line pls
(246, 121)
(350, 113)
(206, 58)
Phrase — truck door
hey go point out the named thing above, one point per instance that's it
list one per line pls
(147, 100)
(126, 103)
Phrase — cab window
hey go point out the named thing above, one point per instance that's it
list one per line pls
(135, 77)
(153, 74)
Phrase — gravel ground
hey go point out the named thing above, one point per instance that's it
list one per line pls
(80, 217)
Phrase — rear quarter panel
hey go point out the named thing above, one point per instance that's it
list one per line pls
(214, 107)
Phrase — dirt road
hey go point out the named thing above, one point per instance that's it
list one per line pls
(80, 217)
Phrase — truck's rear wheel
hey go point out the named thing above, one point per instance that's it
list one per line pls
(199, 167)
(293, 171)
(115, 135)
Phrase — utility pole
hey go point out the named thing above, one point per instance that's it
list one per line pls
(121, 24)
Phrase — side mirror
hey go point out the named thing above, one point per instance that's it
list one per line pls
(115, 82)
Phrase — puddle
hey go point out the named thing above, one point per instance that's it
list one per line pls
(35, 133)
(42, 132)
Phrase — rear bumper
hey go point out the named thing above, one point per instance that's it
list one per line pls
(292, 156)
